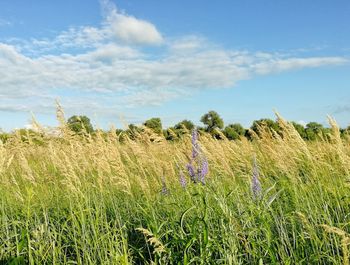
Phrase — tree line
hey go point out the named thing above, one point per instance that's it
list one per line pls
(212, 124)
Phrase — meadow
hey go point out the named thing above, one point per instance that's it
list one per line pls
(274, 199)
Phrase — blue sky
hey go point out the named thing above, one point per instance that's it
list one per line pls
(126, 61)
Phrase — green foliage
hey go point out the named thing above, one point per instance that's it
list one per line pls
(265, 123)
(154, 124)
(212, 121)
(119, 131)
(213, 125)
(234, 131)
(185, 124)
(133, 131)
(345, 132)
(172, 134)
(80, 124)
(201, 129)
(29, 136)
(300, 129)
(314, 130)
(4, 137)
(180, 129)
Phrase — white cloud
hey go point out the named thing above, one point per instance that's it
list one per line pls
(134, 31)
(9, 54)
(135, 75)
(154, 97)
(105, 61)
(117, 27)
(13, 108)
(128, 28)
(188, 44)
(285, 64)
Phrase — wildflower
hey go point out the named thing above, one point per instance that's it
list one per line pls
(195, 145)
(256, 185)
(198, 166)
(183, 181)
(203, 171)
(191, 172)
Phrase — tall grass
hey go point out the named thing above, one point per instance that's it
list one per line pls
(96, 200)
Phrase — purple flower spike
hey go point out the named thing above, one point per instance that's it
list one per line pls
(198, 166)
(256, 185)
(183, 181)
(195, 145)
(191, 172)
(194, 137)
(203, 171)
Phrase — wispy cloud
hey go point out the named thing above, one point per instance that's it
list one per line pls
(130, 29)
(110, 59)
(13, 108)
(116, 27)
(275, 65)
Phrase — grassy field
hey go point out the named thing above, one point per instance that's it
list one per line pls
(95, 200)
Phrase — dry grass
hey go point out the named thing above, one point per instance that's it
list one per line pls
(79, 199)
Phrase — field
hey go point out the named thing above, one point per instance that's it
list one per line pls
(98, 200)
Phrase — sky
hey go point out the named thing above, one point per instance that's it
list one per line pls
(124, 61)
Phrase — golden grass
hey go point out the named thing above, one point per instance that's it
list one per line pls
(34, 168)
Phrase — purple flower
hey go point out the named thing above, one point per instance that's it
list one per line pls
(194, 136)
(198, 166)
(203, 171)
(183, 181)
(191, 172)
(195, 145)
(256, 185)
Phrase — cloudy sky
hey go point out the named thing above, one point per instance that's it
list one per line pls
(128, 60)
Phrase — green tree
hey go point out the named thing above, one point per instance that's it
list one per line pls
(80, 124)
(300, 129)
(29, 136)
(187, 124)
(313, 130)
(212, 121)
(265, 123)
(171, 134)
(119, 131)
(154, 124)
(4, 137)
(234, 131)
(133, 131)
(345, 132)
(182, 128)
